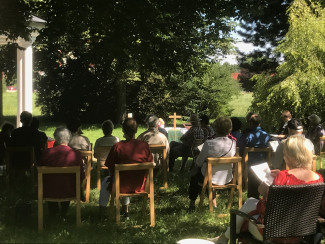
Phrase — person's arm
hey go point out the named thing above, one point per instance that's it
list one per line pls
(203, 155)
(111, 160)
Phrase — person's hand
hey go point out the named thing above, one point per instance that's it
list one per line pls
(275, 172)
(281, 136)
(263, 189)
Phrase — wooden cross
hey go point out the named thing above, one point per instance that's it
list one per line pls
(174, 117)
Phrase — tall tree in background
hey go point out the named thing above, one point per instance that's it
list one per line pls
(299, 85)
(103, 47)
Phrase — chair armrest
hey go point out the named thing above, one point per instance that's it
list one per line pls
(244, 215)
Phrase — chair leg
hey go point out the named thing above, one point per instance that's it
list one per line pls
(118, 210)
(152, 211)
(98, 176)
(78, 213)
(233, 228)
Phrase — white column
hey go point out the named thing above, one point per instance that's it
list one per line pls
(19, 84)
(24, 81)
(28, 79)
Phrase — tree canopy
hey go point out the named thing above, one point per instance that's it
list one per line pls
(116, 50)
(299, 84)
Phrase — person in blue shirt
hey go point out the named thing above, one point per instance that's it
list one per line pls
(256, 137)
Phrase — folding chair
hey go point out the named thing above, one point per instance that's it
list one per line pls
(161, 150)
(101, 153)
(266, 150)
(236, 182)
(43, 170)
(17, 167)
(291, 211)
(148, 193)
(87, 155)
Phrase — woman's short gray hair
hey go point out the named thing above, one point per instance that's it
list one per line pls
(62, 135)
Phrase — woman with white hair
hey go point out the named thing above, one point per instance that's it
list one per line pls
(298, 157)
(60, 156)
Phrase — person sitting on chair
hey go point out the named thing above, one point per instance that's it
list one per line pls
(107, 140)
(219, 146)
(315, 131)
(61, 186)
(294, 128)
(256, 137)
(5, 134)
(283, 131)
(183, 148)
(40, 138)
(77, 141)
(298, 157)
(127, 151)
(206, 127)
(153, 136)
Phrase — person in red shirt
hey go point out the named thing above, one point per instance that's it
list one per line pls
(127, 151)
(61, 186)
(298, 157)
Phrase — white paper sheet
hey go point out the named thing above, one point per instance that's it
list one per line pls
(263, 172)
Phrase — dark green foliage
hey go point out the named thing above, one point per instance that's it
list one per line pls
(14, 17)
(124, 54)
(256, 62)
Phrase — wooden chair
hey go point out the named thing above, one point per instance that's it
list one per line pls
(236, 182)
(87, 155)
(321, 152)
(12, 168)
(148, 193)
(101, 153)
(291, 211)
(161, 150)
(266, 150)
(42, 170)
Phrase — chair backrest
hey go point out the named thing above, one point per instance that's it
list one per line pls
(43, 170)
(266, 150)
(101, 152)
(132, 167)
(292, 211)
(16, 157)
(237, 171)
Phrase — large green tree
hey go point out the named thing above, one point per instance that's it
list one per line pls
(299, 84)
(108, 48)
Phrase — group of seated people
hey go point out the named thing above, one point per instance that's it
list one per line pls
(219, 140)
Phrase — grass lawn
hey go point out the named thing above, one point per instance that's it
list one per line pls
(173, 221)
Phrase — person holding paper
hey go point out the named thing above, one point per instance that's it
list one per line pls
(294, 128)
(298, 157)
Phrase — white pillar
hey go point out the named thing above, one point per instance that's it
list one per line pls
(19, 84)
(24, 81)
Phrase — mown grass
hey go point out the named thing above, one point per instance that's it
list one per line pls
(173, 221)
(240, 104)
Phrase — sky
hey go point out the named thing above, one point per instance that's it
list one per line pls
(243, 47)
